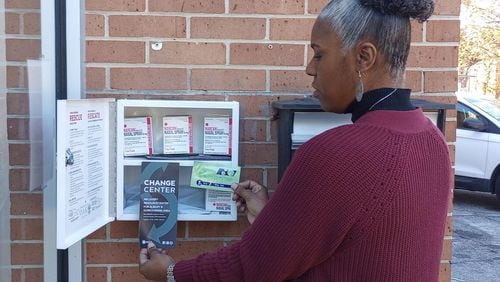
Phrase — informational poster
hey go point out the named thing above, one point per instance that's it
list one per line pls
(159, 204)
(83, 169)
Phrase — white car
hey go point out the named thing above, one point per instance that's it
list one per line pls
(477, 156)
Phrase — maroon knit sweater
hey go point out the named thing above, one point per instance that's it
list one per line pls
(362, 202)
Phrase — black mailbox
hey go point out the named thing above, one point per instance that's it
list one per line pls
(286, 111)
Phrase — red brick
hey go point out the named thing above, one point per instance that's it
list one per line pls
(17, 275)
(266, 7)
(274, 129)
(443, 30)
(26, 274)
(255, 174)
(450, 131)
(315, 6)
(291, 81)
(228, 28)
(26, 229)
(18, 129)
(218, 228)
(19, 179)
(440, 81)
(267, 54)
(126, 274)
(32, 23)
(95, 78)
(26, 253)
(148, 78)
(447, 7)
(112, 253)
(99, 233)
(115, 52)
(19, 154)
(124, 229)
(26, 204)
(187, 6)
(99, 274)
(22, 49)
(253, 130)
(147, 26)
(12, 23)
(413, 80)
(190, 249)
(433, 56)
(447, 250)
(291, 29)
(255, 105)
(17, 104)
(225, 79)
(448, 231)
(190, 53)
(94, 25)
(200, 97)
(258, 154)
(451, 149)
(417, 30)
(16, 77)
(115, 5)
(25, 4)
(445, 272)
(272, 178)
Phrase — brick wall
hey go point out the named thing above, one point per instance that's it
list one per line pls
(254, 52)
(22, 33)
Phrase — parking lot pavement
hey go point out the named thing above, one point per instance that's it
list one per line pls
(476, 237)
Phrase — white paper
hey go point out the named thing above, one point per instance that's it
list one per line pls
(177, 134)
(86, 165)
(217, 135)
(138, 139)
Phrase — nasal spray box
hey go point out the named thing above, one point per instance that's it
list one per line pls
(177, 134)
(138, 136)
(217, 135)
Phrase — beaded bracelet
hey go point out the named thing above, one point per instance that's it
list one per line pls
(170, 273)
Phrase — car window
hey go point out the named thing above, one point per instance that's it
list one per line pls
(487, 106)
(464, 112)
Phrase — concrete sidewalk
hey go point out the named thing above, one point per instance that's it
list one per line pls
(476, 237)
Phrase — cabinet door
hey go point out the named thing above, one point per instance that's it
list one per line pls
(83, 168)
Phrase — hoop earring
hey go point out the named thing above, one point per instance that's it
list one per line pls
(360, 89)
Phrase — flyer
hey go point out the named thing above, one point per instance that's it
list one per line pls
(159, 204)
(217, 135)
(177, 134)
(214, 176)
(138, 136)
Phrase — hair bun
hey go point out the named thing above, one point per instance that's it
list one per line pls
(415, 9)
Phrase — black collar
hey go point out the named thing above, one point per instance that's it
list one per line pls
(378, 99)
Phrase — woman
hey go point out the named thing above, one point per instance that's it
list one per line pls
(361, 202)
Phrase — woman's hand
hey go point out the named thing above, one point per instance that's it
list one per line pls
(250, 197)
(153, 263)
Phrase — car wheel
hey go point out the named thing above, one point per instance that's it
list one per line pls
(497, 187)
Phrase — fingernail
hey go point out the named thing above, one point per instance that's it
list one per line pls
(151, 245)
(234, 186)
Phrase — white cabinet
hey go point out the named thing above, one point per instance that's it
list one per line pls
(97, 183)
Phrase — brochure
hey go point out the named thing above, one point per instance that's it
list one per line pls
(214, 176)
(159, 204)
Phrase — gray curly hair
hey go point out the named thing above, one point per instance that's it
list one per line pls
(388, 29)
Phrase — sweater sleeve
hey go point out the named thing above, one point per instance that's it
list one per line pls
(301, 226)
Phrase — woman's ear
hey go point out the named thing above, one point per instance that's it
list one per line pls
(366, 56)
